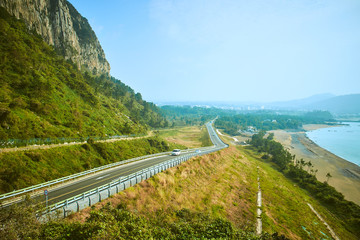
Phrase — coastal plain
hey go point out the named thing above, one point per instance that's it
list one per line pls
(345, 175)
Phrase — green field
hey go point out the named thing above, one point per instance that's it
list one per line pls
(190, 136)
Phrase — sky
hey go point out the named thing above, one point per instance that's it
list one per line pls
(229, 50)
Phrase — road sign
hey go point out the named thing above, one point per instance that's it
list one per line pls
(46, 192)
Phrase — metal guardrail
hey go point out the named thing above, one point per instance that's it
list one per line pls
(213, 136)
(86, 199)
(218, 144)
(76, 175)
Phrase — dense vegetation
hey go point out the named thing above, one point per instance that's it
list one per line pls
(44, 96)
(302, 173)
(25, 168)
(269, 121)
(187, 115)
(120, 223)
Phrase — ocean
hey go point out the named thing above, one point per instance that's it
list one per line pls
(343, 141)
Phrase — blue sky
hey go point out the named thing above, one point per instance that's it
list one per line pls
(230, 50)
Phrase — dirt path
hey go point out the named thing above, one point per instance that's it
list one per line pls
(259, 212)
(34, 147)
(333, 234)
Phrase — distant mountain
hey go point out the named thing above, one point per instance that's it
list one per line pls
(339, 105)
(43, 95)
(299, 103)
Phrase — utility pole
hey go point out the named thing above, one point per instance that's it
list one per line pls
(46, 197)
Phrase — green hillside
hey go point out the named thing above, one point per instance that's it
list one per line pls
(44, 96)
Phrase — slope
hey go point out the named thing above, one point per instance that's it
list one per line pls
(44, 96)
(186, 202)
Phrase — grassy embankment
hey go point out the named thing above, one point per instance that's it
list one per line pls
(222, 186)
(191, 137)
(284, 205)
(25, 168)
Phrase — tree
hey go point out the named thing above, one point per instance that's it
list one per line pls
(309, 165)
(271, 136)
(328, 176)
(302, 163)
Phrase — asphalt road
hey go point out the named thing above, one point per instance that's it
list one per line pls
(93, 181)
(90, 182)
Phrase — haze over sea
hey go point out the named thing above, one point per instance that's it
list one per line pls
(343, 141)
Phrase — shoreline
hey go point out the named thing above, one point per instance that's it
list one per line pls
(345, 174)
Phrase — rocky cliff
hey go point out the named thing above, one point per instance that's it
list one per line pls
(60, 25)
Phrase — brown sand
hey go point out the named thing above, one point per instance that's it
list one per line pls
(345, 175)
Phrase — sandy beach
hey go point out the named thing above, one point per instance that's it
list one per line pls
(345, 175)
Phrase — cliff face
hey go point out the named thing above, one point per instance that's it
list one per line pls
(60, 25)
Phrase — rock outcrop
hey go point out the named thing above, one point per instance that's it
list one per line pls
(61, 25)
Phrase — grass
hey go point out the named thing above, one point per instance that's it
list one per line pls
(285, 206)
(190, 136)
(225, 138)
(224, 185)
(208, 184)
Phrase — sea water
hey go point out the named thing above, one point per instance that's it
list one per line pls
(343, 141)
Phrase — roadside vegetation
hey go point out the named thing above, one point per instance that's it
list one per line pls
(189, 136)
(193, 200)
(119, 223)
(208, 197)
(25, 168)
(303, 174)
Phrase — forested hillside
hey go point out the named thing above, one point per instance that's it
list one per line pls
(270, 120)
(43, 96)
(188, 115)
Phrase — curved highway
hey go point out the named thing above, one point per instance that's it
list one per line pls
(93, 181)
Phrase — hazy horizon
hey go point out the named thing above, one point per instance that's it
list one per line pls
(248, 102)
(258, 51)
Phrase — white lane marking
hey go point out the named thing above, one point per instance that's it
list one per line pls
(103, 176)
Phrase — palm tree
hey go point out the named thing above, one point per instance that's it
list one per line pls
(309, 165)
(328, 176)
(302, 163)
